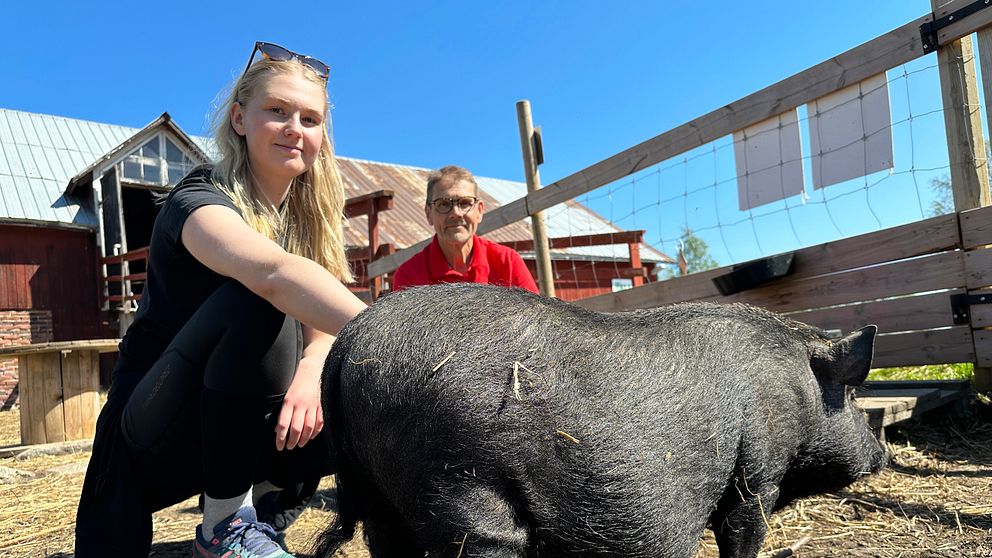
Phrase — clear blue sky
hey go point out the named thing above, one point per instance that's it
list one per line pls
(433, 83)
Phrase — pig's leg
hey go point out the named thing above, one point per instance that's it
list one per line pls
(740, 521)
(472, 521)
(386, 532)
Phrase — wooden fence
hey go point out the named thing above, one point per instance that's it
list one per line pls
(908, 280)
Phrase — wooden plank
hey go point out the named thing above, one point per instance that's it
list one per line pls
(901, 314)
(101, 345)
(914, 239)
(976, 225)
(964, 26)
(928, 273)
(31, 388)
(978, 268)
(983, 347)
(981, 314)
(72, 394)
(910, 396)
(51, 370)
(621, 237)
(881, 386)
(90, 386)
(940, 346)
(884, 412)
(871, 58)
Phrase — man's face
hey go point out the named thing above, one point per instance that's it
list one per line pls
(456, 227)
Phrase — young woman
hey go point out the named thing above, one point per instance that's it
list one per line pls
(217, 385)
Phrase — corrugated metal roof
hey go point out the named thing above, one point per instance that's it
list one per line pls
(40, 153)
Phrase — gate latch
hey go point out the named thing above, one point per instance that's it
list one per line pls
(961, 306)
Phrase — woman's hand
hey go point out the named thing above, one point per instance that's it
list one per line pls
(301, 417)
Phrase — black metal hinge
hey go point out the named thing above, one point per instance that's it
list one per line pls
(928, 31)
(961, 306)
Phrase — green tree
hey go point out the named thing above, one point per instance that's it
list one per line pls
(696, 253)
(943, 201)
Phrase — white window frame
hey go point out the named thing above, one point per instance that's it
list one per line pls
(161, 161)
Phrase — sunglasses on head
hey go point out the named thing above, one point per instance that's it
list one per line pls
(445, 205)
(280, 54)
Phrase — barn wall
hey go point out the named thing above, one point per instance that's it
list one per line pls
(48, 291)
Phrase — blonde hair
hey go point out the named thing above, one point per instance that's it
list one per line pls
(311, 221)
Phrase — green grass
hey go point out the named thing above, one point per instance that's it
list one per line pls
(960, 371)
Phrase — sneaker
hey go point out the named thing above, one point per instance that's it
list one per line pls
(239, 536)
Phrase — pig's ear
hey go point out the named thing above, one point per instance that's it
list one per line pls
(846, 360)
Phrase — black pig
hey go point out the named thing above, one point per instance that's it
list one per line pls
(481, 421)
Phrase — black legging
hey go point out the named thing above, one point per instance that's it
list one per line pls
(203, 417)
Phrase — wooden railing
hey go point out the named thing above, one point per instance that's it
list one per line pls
(122, 278)
(370, 205)
(632, 270)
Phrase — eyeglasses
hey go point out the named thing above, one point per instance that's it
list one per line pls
(445, 205)
(280, 54)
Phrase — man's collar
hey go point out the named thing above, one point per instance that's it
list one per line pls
(438, 267)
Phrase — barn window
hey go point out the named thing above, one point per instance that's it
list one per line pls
(620, 284)
(159, 162)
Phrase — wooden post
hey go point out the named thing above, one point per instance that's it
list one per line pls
(542, 253)
(965, 139)
(983, 375)
(634, 250)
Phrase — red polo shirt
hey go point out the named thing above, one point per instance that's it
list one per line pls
(491, 263)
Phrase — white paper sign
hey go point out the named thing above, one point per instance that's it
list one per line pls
(769, 161)
(850, 132)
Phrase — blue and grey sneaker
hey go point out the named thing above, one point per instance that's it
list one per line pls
(239, 536)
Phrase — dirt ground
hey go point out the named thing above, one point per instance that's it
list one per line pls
(934, 500)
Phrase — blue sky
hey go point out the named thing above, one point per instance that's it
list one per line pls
(433, 83)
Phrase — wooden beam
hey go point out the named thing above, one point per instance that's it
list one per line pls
(380, 200)
(928, 273)
(938, 346)
(894, 315)
(962, 27)
(542, 254)
(976, 227)
(99, 345)
(604, 239)
(978, 268)
(593, 276)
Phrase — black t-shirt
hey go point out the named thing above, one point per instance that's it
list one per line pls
(177, 283)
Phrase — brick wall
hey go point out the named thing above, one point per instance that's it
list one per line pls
(19, 327)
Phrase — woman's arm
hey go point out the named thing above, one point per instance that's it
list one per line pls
(218, 237)
(301, 417)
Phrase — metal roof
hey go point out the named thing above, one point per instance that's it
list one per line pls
(40, 154)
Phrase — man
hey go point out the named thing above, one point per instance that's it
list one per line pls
(456, 254)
